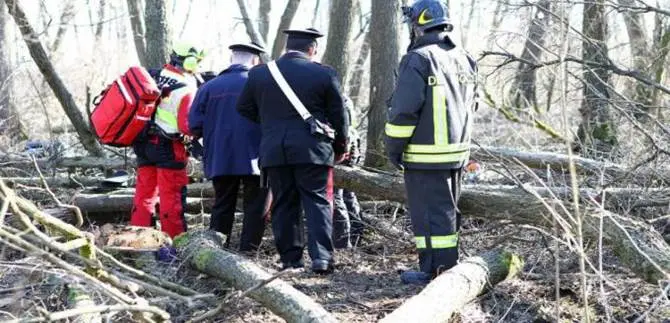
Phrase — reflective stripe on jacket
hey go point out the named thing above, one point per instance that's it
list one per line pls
(172, 112)
(433, 105)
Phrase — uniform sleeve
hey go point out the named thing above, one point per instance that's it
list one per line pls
(336, 113)
(408, 98)
(183, 112)
(246, 102)
(196, 116)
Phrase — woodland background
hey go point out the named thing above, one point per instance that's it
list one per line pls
(572, 132)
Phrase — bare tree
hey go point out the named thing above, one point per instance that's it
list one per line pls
(264, 10)
(597, 131)
(252, 31)
(662, 49)
(356, 80)
(65, 17)
(137, 25)
(101, 21)
(64, 96)
(284, 23)
(523, 91)
(640, 53)
(384, 54)
(9, 120)
(158, 32)
(339, 33)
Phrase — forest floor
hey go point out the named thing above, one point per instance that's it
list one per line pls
(366, 286)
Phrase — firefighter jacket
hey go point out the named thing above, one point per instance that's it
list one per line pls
(433, 104)
(231, 141)
(172, 112)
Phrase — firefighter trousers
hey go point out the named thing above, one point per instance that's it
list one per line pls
(226, 189)
(167, 187)
(312, 187)
(432, 197)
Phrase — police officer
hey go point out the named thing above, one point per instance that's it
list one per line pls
(231, 145)
(161, 150)
(428, 133)
(298, 154)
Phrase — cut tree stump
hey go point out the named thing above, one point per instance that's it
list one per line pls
(455, 288)
(204, 252)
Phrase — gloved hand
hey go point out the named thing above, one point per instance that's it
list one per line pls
(396, 160)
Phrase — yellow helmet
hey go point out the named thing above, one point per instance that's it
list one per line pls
(188, 54)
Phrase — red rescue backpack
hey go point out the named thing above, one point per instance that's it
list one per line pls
(125, 107)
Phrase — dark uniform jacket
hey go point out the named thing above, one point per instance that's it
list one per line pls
(231, 141)
(433, 105)
(286, 138)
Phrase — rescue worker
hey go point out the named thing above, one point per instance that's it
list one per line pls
(428, 133)
(231, 145)
(296, 152)
(347, 224)
(161, 150)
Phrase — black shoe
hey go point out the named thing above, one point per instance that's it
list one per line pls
(322, 267)
(293, 265)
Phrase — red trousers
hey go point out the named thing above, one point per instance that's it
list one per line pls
(167, 186)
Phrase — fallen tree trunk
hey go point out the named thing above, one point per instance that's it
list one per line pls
(102, 203)
(456, 287)
(204, 251)
(560, 162)
(637, 244)
(59, 181)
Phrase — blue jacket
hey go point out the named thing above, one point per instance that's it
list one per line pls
(231, 142)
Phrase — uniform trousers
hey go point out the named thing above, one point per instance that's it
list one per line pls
(432, 197)
(226, 189)
(312, 186)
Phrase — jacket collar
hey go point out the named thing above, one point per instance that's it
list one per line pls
(295, 54)
(432, 38)
(173, 69)
(235, 68)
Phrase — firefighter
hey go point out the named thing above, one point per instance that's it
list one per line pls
(231, 145)
(161, 150)
(347, 224)
(298, 150)
(428, 133)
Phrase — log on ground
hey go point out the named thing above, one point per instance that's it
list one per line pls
(637, 244)
(453, 289)
(106, 203)
(204, 251)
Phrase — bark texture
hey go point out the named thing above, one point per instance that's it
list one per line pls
(157, 33)
(456, 287)
(10, 127)
(524, 88)
(101, 203)
(356, 79)
(264, 10)
(596, 136)
(137, 26)
(339, 33)
(205, 253)
(384, 56)
(47, 69)
(284, 23)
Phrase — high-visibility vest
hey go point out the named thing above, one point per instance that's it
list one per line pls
(168, 109)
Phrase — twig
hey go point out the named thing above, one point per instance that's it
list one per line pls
(228, 297)
(102, 309)
(76, 210)
(143, 275)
